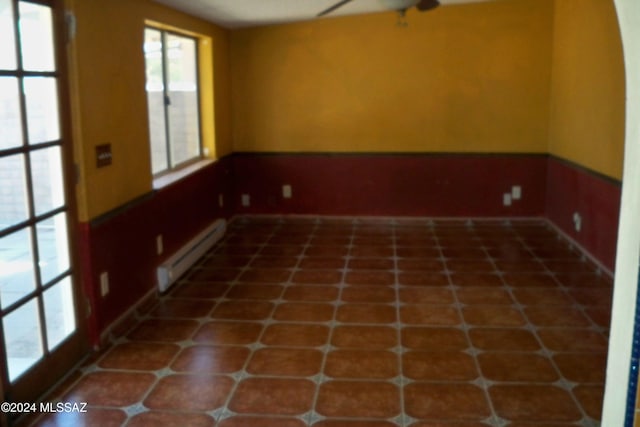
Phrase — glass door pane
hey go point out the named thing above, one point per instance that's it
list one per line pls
(7, 41)
(17, 272)
(10, 121)
(23, 338)
(36, 37)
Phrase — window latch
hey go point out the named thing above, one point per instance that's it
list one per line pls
(167, 100)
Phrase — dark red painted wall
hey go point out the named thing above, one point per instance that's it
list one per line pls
(573, 189)
(123, 242)
(398, 185)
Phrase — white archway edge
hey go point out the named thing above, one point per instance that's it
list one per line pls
(628, 249)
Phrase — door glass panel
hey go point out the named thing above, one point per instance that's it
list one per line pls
(22, 334)
(59, 312)
(13, 194)
(155, 99)
(41, 95)
(36, 37)
(10, 123)
(183, 92)
(53, 247)
(17, 276)
(7, 41)
(46, 178)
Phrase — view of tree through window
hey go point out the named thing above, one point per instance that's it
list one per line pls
(173, 98)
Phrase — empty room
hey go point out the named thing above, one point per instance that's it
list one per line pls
(409, 213)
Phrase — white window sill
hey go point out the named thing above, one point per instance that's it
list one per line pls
(172, 177)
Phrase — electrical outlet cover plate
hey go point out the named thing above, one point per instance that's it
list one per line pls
(246, 200)
(506, 199)
(516, 192)
(286, 191)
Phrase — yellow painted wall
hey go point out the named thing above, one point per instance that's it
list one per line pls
(587, 96)
(468, 78)
(109, 100)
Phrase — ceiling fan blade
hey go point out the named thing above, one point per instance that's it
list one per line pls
(334, 7)
(425, 5)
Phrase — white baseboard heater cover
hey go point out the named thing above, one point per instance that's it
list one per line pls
(177, 264)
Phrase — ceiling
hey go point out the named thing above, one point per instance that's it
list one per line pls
(248, 13)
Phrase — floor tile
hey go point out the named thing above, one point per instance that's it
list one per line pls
(445, 401)
(207, 359)
(93, 417)
(483, 296)
(430, 315)
(366, 313)
(260, 421)
(586, 367)
(285, 361)
(537, 403)
(439, 366)
(225, 332)
(434, 339)
(490, 315)
(140, 356)
(159, 418)
(426, 295)
(165, 330)
(310, 293)
(572, 340)
(111, 388)
(373, 364)
(295, 335)
(242, 310)
(371, 294)
(317, 277)
(499, 339)
(179, 308)
(370, 337)
(370, 278)
(189, 392)
(358, 399)
(517, 367)
(304, 312)
(273, 396)
(257, 291)
(415, 278)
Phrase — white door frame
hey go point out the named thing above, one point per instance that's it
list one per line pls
(628, 246)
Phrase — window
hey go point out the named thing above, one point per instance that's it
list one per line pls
(172, 98)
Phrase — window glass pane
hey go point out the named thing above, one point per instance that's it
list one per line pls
(22, 338)
(59, 312)
(36, 37)
(8, 40)
(46, 178)
(184, 128)
(53, 247)
(42, 109)
(13, 191)
(17, 277)
(10, 123)
(155, 99)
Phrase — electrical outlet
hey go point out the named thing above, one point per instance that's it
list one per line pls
(221, 200)
(516, 192)
(286, 191)
(246, 200)
(104, 284)
(159, 245)
(506, 199)
(577, 221)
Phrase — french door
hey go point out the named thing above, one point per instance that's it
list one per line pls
(39, 334)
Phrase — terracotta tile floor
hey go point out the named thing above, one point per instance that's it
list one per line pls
(347, 322)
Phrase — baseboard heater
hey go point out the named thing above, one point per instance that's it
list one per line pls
(177, 264)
